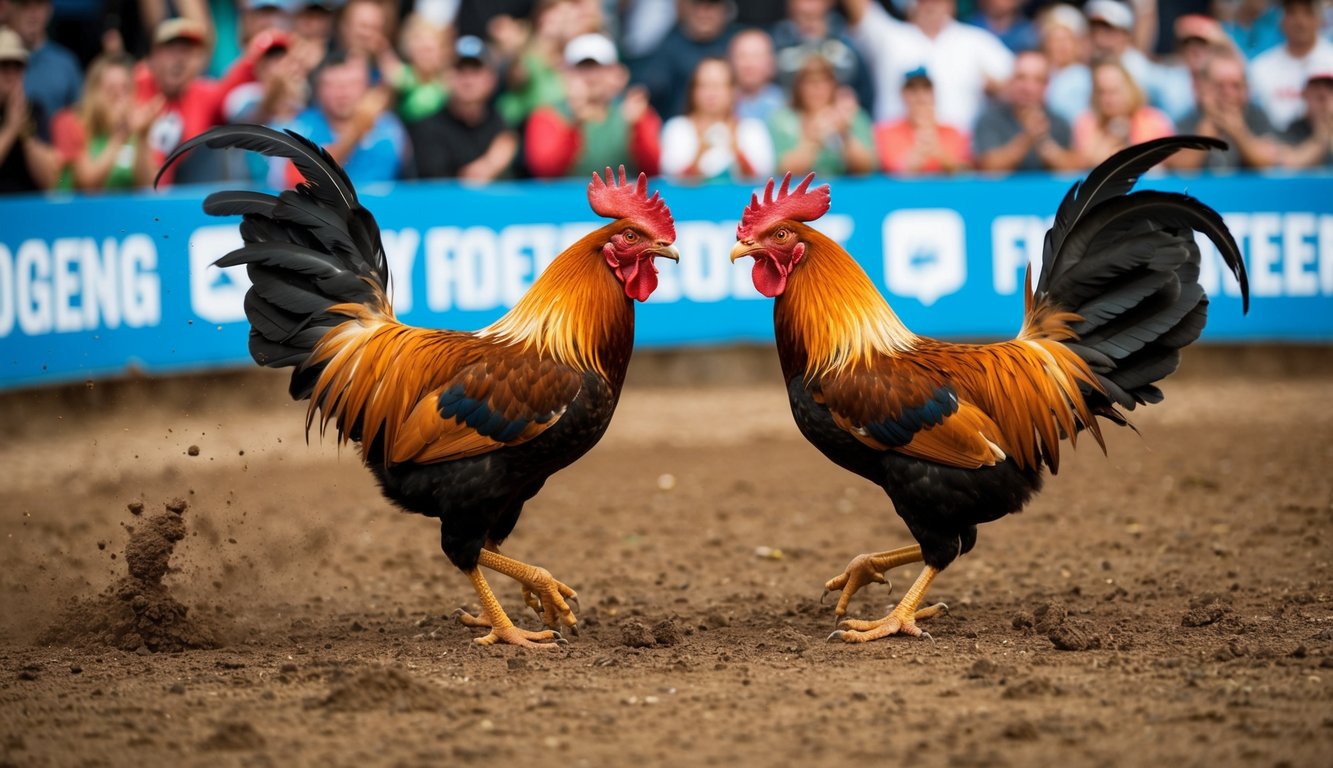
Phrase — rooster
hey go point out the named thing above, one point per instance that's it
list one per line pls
(960, 434)
(464, 427)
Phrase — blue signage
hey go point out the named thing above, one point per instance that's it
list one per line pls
(93, 287)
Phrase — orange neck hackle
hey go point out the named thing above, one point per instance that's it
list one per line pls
(833, 313)
(576, 311)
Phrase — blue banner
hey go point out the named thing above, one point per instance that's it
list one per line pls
(93, 287)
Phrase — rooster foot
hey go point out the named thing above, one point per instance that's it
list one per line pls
(867, 569)
(856, 631)
(547, 596)
(512, 635)
(551, 599)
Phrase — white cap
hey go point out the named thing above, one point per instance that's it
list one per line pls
(591, 47)
(1067, 16)
(1112, 12)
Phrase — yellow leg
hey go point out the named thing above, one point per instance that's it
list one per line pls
(541, 591)
(502, 629)
(902, 620)
(868, 569)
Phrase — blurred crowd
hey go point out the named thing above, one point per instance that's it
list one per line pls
(94, 93)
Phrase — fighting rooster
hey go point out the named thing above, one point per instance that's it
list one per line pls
(959, 434)
(464, 427)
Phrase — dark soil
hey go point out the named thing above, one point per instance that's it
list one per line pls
(1168, 604)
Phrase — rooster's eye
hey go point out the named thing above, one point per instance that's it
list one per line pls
(631, 235)
(780, 235)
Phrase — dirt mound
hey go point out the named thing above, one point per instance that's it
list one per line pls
(383, 688)
(137, 611)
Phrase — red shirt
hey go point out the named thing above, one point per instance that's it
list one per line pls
(193, 111)
(895, 141)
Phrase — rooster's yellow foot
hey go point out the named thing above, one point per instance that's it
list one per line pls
(867, 569)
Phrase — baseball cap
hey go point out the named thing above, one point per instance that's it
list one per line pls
(917, 75)
(11, 46)
(1111, 13)
(591, 47)
(1067, 16)
(1196, 26)
(179, 29)
(471, 48)
(277, 5)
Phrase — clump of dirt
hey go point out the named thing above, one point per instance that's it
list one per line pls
(1052, 619)
(233, 736)
(636, 634)
(382, 688)
(138, 612)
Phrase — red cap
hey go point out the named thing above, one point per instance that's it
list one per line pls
(1206, 28)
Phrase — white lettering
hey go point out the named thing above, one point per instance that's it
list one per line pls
(521, 248)
(1298, 255)
(65, 284)
(34, 287)
(140, 286)
(1325, 254)
(99, 284)
(400, 251)
(1265, 254)
(705, 264)
(1016, 242)
(7, 291)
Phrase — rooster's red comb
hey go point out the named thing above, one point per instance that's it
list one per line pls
(800, 204)
(621, 201)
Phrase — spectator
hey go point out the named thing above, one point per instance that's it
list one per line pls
(467, 138)
(353, 122)
(812, 26)
(103, 140)
(190, 104)
(1019, 132)
(279, 90)
(1224, 110)
(1111, 35)
(1311, 137)
(27, 164)
(1252, 24)
(1119, 115)
(1005, 20)
(1064, 40)
(968, 63)
(363, 30)
(259, 16)
(1197, 38)
(643, 25)
(919, 143)
(599, 124)
(709, 142)
(751, 55)
(54, 77)
(703, 28)
(1280, 73)
(419, 83)
(312, 30)
(532, 57)
(825, 130)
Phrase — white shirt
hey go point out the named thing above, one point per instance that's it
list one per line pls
(960, 59)
(1277, 80)
(680, 145)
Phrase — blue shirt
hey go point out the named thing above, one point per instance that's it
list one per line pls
(378, 157)
(53, 79)
(1264, 33)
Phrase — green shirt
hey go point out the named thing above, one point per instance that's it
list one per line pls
(122, 173)
(417, 100)
(785, 125)
(604, 145)
(543, 88)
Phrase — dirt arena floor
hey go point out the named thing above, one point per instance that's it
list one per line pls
(1167, 605)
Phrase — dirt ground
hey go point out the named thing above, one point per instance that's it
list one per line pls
(1168, 605)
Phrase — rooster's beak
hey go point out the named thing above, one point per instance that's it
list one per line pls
(666, 251)
(744, 248)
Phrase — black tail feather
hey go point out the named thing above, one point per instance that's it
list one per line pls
(1128, 264)
(306, 249)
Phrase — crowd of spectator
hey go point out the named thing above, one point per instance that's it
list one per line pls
(95, 93)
